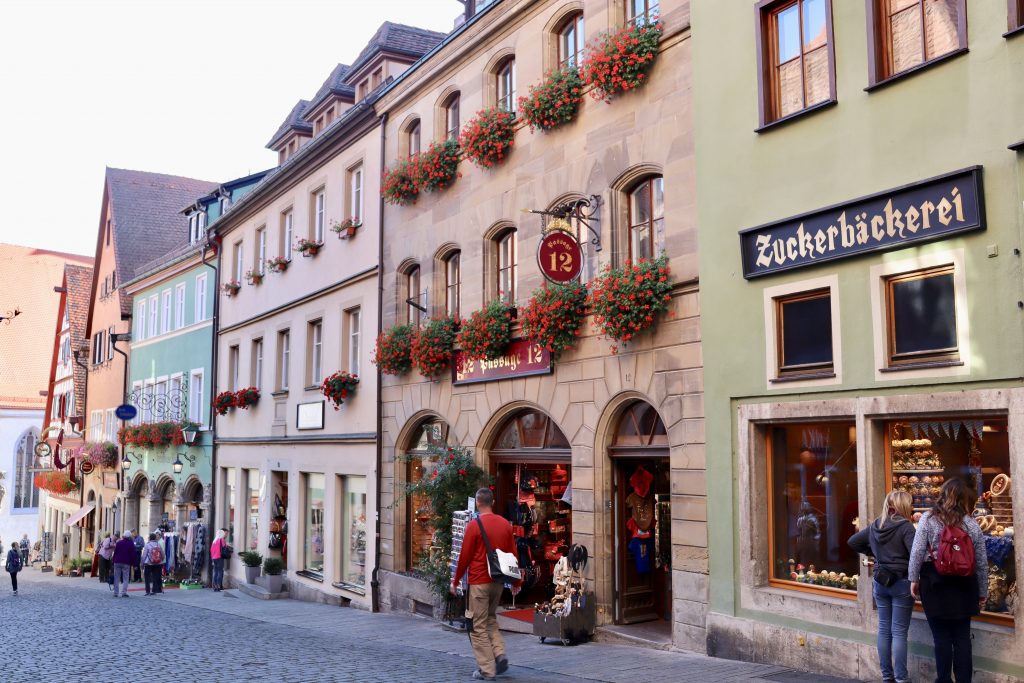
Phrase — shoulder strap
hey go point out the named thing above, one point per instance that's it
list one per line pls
(483, 535)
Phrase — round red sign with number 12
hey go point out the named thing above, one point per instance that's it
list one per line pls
(560, 257)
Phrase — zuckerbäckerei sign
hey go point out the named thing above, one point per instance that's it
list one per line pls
(926, 210)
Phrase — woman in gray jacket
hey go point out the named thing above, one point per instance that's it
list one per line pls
(950, 601)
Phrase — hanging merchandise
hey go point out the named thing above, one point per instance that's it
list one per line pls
(642, 549)
(571, 614)
(198, 534)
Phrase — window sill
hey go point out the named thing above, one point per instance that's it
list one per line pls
(1019, 31)
(280, 393)
(923, 366)
(310, 575)
(1017, 146)
(802, 377)
(312, 387)
(350, 587)
(797, 115)
(917, 69)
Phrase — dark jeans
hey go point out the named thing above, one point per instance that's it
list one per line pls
(952, 649)
(137, 568)
(14, 581)
(152, 575)
(218, 573)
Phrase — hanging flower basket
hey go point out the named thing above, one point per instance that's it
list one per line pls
(626, 301)
(438, 167)
(347, 228)
(554, 317)
(157, 434)
(433, 345)
(486, 334)
(398, 185)
(254, 276)
(621, 61)
(99, 454)
(392, 352)
(55, 482)
(488, 139)
(339, 387)
(278, 264)
(554, 102)
(244, 398)
(231, 287)
(223, 402)
(308, 247)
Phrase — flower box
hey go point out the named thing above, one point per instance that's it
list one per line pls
(621, 61)
(554, 102)
(392, 353)
(346, 229)
(627, 300)
(554, 316)
(278, 264)
(433, 345)
(438, 167)
(55, 482)
(486, 334)
(223, 402)
(244, 398)
(231, 287)
(254, 276)
(488, 139)
(398, 185)
(307, 247)
(339, 386)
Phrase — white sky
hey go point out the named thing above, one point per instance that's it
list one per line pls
(187, 87)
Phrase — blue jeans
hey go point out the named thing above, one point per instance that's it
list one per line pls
(218, 573)
(121, 578)
(895, 605)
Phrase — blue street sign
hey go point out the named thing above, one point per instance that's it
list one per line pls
(126, 412)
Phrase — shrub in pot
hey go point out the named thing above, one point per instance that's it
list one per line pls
(251, 560)
(272, 568)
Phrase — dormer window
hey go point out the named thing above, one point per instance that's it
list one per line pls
(378, 77)
(225, 204)
(196, 226)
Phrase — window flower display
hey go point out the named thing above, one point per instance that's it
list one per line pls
(231, 287)
(398, 185)
(223, 402)
(621, 61)
(554, 316)
(488, 139)
(627, 300)
(392, 354)
(339, 386)
(244, 398)
(433, 345)
(278, 264)
(254, 276)
(308, 247)
(347, 228)
(486, 334)
(554, 102)
(438, 167)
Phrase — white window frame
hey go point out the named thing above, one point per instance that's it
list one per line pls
(284, 341)
(200, 298)
(165, 322)
(196, 404)
(239, 261)
(234, 358)
(287, 218)
(137, 392)
(319, 203)
(261, 241)
(173, 390)
(356, 192)
(140, 320)
(154, 311)
(771, 350)
(354, 322)
(316, 365)
(179, 306)
(257, 355)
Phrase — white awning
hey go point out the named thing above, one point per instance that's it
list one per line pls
(80, 515)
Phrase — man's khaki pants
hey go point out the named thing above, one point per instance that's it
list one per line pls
(485, 638)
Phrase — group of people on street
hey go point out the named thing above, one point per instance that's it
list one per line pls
(22, 547)
(942, 563)
(131, 557)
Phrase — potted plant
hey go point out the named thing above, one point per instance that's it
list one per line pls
(339, 387)
(438, 167)
(554, 317)
(621, 61)
(99, 454)
(433, 345)
(626, 300)
(251, 560)
(244, 398)
(398, 185)
(254, 276)
(272, 568)
(486, 334)
(231, 287)
(555, 101)
(222, 403)
(393, 349)
(308, 247)
(489, 137)
(347, 228)
(55, 481)
(278, 264)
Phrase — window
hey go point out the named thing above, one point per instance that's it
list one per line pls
(414, 139)
(261, 250)
(364, 89)
(315, 341)
(508, 266)
(352, 331)
(148, 393)
(257, 363)
(797, 61)
(812, 493)
(921, 314)
(98, 347)
(233, 361)
(641, 11)
(453, 283)
(908, 33)
(193, 228)
(286, 234)
(174, 398)
(353, 532)
(313, 536)
(412, 296)
(451, 117)
(200, 303)
(803, 327)
(165, 322)
(224, 202)
(229, 509)
(1016, 15)
(283, 352)
(110, 343)
(571, 41)
(239, 262)
(136, 400)
(355, 193)
(318, 216)
(179, 306)
(506, 85)
(154, 311)
(253, 531)
(646, 218)
(195, 399)
(140, 320)
(26, 495)
(420, 463)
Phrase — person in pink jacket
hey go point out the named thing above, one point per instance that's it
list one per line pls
(219, 551)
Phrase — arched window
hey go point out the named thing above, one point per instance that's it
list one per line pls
(508, 265)
(641, 11)
(640, 426)
(530, 429)
(413, 137)
(451, 117)
(646, 218)
(453, 283)
(413, 303)
(26, 495)
(571, 41)
(431, 434)
(505, 84)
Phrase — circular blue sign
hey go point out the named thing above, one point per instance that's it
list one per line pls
(126, 412)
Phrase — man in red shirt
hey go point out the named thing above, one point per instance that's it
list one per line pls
(484, 594)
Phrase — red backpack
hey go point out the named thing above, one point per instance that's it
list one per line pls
(955, 556)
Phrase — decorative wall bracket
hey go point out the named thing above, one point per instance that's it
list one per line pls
(583, 210)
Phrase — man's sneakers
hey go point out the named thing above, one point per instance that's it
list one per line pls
(478, 675)
(501, 664)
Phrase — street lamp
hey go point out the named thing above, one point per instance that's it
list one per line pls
(126, 464)
(178, 465)
(189, 433)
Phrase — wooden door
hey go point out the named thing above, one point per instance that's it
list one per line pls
(644, 588)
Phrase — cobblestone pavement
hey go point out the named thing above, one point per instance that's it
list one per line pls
(60, 628)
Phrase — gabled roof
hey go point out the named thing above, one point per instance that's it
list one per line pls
(293, 121)
(334, 85)
(397, 38)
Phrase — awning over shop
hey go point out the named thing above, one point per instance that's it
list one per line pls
(80, 515)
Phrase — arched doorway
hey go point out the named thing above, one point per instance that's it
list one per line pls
(161, 506)
(642, 516)
(430, 434)
(531, 461)
(88, 524)
(137, 514)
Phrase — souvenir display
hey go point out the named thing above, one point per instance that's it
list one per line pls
(571, 614)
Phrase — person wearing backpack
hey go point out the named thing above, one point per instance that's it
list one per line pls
(949, 573)
(889, 540)
(13, 565)
(152, 566)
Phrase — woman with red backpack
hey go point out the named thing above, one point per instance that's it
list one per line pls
(949, 574)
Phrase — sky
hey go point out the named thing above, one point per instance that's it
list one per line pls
(186, 87)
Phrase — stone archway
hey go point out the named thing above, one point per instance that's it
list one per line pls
(161, 501)
(136, 514)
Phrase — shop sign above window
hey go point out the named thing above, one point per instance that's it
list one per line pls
(927, 210)
(522, 358)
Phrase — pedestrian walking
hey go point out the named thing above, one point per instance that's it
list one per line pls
(484, 593)
(219, 552)
(13, 565)
(124, 557)
(153, 565)
(889, 540)
(140, 543)
(25, 544)
(106, 555)
(949, 572)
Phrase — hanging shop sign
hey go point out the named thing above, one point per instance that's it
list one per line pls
(927, 210)
(87, 467)
(522, 358)
(42, 449)
(126, 412)
(559, 255)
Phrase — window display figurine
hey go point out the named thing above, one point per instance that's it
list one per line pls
(808, 532)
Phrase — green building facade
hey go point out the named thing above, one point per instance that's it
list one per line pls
(859, 191)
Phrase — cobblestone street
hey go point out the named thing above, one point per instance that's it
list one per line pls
(59, 628)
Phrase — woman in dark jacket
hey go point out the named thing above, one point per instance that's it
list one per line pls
(889, 540)
(13, 565)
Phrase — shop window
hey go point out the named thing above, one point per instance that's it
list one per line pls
(905, 34)
(796, 60)
(229, 508)
(646, 218)
(353, 533)
(571, 41)
(253, 508)
(313, 533)
(812, 505)
(419, 532)
(922, 454)
(921, 315)
(531, 429)
(641, 11)
(803, 328)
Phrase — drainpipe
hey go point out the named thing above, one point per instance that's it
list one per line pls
(123, 476)
(375, 580)
(215, 244)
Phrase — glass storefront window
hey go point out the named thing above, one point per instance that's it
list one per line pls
(925, 453)
(253, 479)
(420, 532)
(229, 512)
(812, 485)
(353, 532)
(313, 537)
